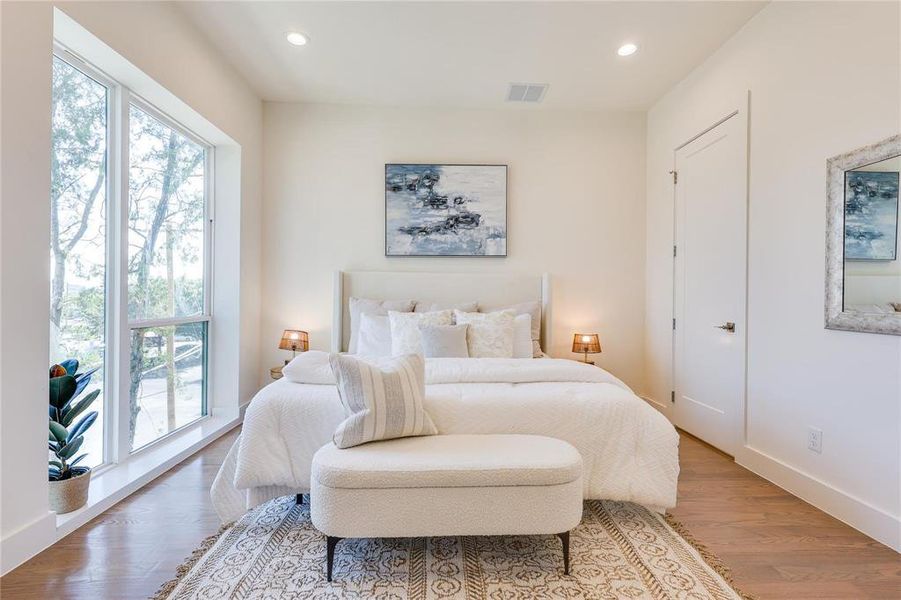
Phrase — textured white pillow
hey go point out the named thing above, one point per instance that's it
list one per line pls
(405, 336)
(360, 306)
(383, 399)
(532, 309)
(490, 335)
(522, 336)
(374, 337)
(446, 341)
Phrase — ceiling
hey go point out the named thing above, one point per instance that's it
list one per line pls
(464, 54)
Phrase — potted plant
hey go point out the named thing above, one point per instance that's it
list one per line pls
(69, 482)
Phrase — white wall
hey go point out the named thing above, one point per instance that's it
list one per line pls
(575, 210)
(25, 47)
(160, 41)
(824, 79)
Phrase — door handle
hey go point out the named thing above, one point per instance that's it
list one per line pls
(730, 327)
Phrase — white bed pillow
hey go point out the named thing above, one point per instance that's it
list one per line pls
(311, 366)
(522, 336)
(490, 335)
(360, 306)
(383, 399)
(405, 335)
(533, 309)
(433, 306)
(374, 337)
(446, 341)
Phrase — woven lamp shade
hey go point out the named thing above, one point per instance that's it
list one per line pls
(586, 343)
(295, 340)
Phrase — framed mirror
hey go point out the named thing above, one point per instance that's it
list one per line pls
(863, 255)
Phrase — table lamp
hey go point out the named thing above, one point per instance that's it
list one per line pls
(295, 341)
(587, 343)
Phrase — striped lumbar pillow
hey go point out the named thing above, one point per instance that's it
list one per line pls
(383, 398)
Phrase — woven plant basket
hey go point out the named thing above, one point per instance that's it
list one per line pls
(69, 494)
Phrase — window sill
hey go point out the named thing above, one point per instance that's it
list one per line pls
(115, 482)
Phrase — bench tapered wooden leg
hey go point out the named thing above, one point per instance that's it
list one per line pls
(330, 543)
(564, 537)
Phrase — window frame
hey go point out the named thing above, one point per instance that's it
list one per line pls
(108, 457)
(117, 326)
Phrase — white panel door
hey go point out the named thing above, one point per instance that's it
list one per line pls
(709, 280)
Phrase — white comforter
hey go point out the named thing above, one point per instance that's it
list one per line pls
(630, 451)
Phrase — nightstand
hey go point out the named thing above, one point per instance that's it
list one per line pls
(276, 372)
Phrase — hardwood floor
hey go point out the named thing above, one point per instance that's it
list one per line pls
(128, 551)
(777, 545)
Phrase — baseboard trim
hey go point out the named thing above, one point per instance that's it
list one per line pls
(658, 405)
(866, 518)
(28, 541)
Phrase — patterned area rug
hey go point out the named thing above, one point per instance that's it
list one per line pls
(620, 550)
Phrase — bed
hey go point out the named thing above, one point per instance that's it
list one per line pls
(630, 451)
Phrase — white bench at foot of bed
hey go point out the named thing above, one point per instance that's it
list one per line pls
(447, 485)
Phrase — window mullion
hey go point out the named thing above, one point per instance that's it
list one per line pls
(110, 301)
(167, 322)
(120, 262)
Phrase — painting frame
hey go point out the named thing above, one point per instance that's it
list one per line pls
(434, 165)
(860, 177)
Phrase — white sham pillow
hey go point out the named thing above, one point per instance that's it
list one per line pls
(522, 336)
(374, 337)
(433, 306)
(405, 335)
(311, 366)
(367, 306)
(490, 335)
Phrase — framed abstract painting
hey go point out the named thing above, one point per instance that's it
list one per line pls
(871, 215)
(445, 210)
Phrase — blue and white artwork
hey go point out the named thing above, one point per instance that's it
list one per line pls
(445, 210)
(871, 215)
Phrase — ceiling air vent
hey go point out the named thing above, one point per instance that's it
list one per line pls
(526, 92)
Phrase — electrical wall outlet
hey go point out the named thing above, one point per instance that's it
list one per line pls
(815, 440)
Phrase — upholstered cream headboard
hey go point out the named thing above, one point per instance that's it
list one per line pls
(490, 290)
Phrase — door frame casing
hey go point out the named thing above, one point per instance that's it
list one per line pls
(741, 111)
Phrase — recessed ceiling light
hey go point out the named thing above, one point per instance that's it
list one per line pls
(627, 49)
(296, 38)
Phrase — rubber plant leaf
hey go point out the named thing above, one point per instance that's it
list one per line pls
(59, 432)
(82, 426)
(82, 380)
(62, 390)
(76, 409)
(70, 365)
(69, 450)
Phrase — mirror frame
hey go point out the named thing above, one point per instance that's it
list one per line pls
(836, 166)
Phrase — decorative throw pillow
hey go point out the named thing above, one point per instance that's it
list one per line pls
(360, 306)
(374, 337)
(433, 306)
(384, 399)
(490, 335)
(522, 336)
(446, 341)
(533, 309)
(405, 336)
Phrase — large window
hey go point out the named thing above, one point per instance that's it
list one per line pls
(130, 247)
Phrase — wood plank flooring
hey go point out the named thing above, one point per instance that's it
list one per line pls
(777, 545)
